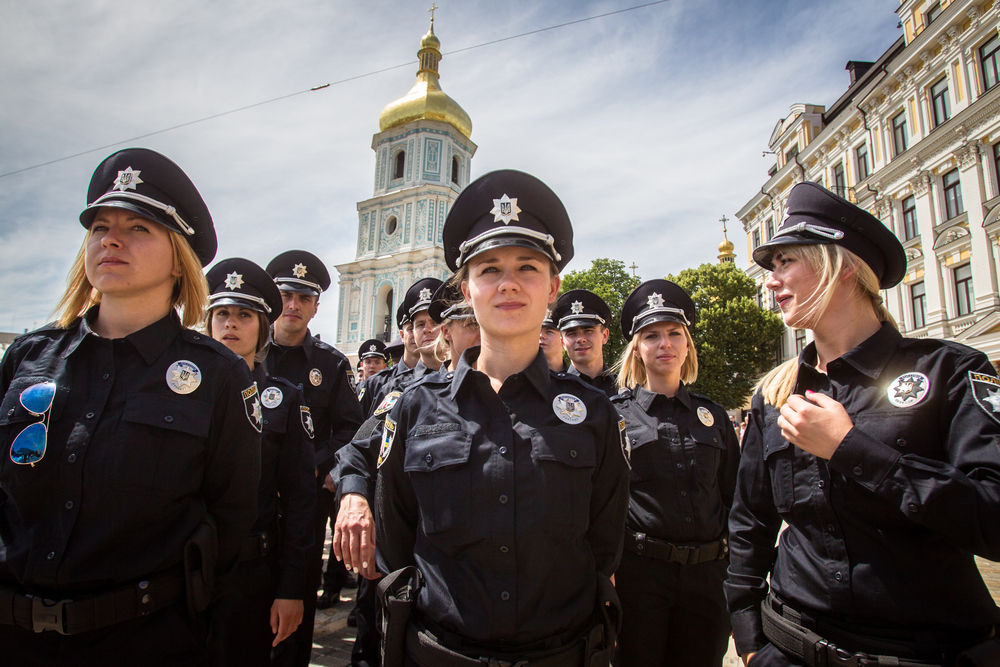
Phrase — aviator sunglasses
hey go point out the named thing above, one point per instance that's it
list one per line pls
(28, 447)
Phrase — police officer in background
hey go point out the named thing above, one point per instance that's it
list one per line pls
(262, 602)
(372, 358)
(129, 442)
(418, 301)
(583, 318)
(685, 455)
(550, 340)
(502, 487)
(333, 406)
(879, 453)
(371, 392)
(457, 326)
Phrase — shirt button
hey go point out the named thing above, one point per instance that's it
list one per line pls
(633, 439)
(687, 519)
(857, 470)
(838, 576)
(901, 442)
(10, 412)
(265, 422)
(684, 494)
(168, 419)
(830, 527)
(429, 458)
(504, 549)
(71, 458)
(820, 484)
(52, 554)
(572, 453)
(503, 500)
(503, 450)
(912, 507)
(90, 415)
(69, 504)
(680, 465)
(106, 376)
(505, 596)
(196, 337)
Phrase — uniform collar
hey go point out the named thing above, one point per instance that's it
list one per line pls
(308, 344)
(644, 398)
(869, 358)
(537, 371)
(82, 330)
(150, 341)
(573, 370)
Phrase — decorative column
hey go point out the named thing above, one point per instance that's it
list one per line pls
(926, 217)
(984, 278)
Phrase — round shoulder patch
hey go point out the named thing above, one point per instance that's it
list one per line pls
(315, 377)
(271, 397)
(569, 408)
(183, 377)
(908, 389)
(705, 416)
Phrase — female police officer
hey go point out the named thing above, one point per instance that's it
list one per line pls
(504, 485)
(128, 441)
(684, 460)
(262, 603)
(878, 451)
(457, 330)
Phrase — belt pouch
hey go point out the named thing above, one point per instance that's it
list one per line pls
(397, 593)
(200, 553)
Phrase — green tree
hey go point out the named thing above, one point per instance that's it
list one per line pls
(736, 339)
(610, 280)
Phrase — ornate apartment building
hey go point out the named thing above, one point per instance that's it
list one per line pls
(915, 139)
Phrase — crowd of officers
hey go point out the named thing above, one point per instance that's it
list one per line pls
(177, 442)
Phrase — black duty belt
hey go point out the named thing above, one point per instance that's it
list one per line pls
(639, 543)
(257, 545)
(782, 627)
(424, 650)
(71, 617)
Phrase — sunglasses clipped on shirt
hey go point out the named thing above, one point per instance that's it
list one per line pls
(28, 447)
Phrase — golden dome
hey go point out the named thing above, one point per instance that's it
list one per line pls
(426, 100)
(726, 247)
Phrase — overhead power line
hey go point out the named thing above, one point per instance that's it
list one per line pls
(327, 85)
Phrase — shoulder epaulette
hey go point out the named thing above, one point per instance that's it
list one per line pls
(623, 394)
(572, 377)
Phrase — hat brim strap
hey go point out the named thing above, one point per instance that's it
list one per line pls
(149, 201)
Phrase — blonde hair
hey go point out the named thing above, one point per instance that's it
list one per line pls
(189, 297)
(632, 370)
(442, 347)
(830, 262)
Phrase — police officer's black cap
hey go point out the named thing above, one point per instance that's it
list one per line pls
(372, 348)
(580, 308)
(420, 295)
(448, 303)
(814, 215)
(402, 317)
(240, 282)
(548, 322)
(151, 185)
(656, 301)
(299, 271)
(507, 208)
(395, 349)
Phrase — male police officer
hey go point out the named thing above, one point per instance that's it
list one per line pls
(583, 319)
(332, 409)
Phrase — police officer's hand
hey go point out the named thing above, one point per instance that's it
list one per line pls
(354, 535)
(814, 423)
(286, 615)
(747, 657)
(329, 483)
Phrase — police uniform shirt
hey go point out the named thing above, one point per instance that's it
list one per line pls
(322, 371)
(883, 534)
(131, 465)
(507, 510)
(683, 470)
(606, 381)
(288, 482)
(373, 390)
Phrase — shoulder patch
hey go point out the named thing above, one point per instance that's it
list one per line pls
(307, 421)
(388, 435)
(626, 447)
(986, 391)
(361, 392)
(251, 402)
(387, 402)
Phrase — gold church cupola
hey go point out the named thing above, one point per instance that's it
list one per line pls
(426, 100)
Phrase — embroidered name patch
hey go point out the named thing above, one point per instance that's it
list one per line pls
(251, 402)
(986, 390)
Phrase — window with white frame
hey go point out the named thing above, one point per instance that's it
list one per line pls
(964, 295)
(918, 301)
(989, 60)
(861, 155)
(952, 194)
(899, 134)
(940, 105)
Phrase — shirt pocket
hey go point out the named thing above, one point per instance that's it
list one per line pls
(708, 448)
(276, 420)
(435, 460)
(647, 459)
(565, 459)
(14, 418)
(778, 455)
(160, 446)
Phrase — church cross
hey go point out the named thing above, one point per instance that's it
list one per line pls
(724, 220)
(431, 10)
(633, 267)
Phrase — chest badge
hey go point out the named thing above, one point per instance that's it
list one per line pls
(705, 416)
(251, 401)
(307, 421)
(387, 402)
(569, 408)
(271, 397)
(315, 377)
(388, 435)
(908, 389)
(986, 390)
(183, 377)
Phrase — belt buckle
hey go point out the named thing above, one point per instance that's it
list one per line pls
(839, 656)
(48, 615)
(683, 555)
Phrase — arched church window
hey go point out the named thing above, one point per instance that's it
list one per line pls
(390, 225)
(454, 170)
(400, 162)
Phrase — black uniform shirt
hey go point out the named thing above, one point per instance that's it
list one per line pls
(287, 468)
(606, 381)
(131, 467)
(883, 534)
(683, 470)
(508, 511)
(322, 371)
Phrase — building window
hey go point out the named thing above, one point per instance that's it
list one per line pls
(800, 340)
(839, 180)
(988, 57)
(756, 238)
(399, 164)
(918, 298)
(909, 218)
(861, 152)
(964, 296)
(770, 228)
(996, 163)
(933, 13)
(791, 153)
(952, 195)
(939, 101)
(899, 134)
(454, 170)
(390, 225)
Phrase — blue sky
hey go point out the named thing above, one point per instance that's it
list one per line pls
(648, 124)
